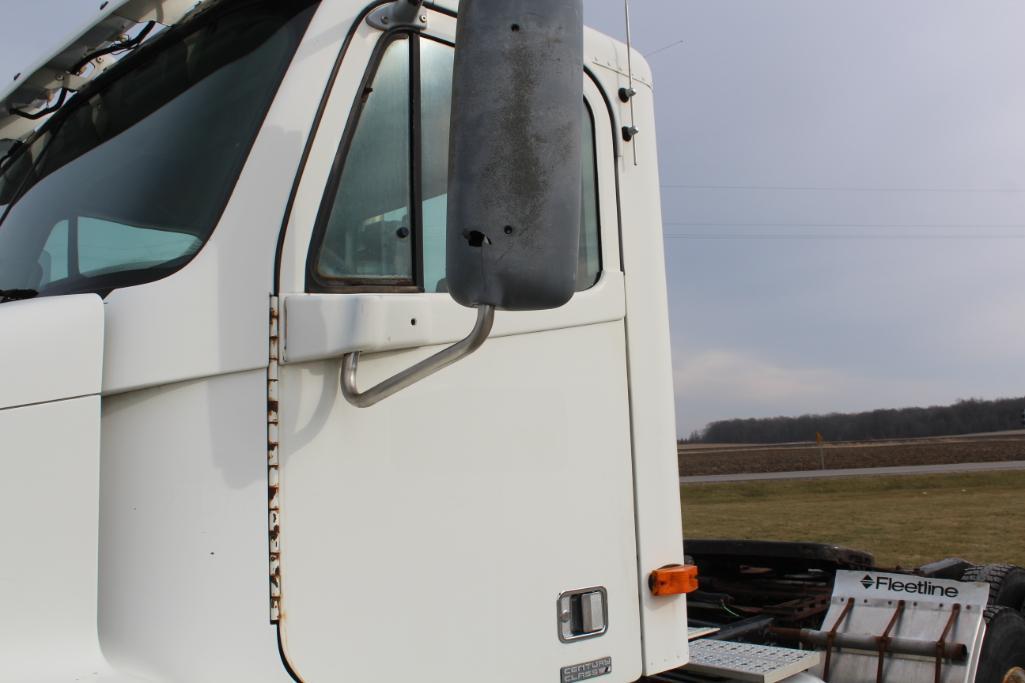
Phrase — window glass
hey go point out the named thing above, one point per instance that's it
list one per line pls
(436, 62)
(370, 209)
(54, 259)
(368, 236)
(589, 261)
(154, 147)
(107, 247)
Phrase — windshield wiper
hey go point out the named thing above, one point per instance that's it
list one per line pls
(17, 294)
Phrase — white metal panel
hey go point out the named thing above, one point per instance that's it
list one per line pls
(51, 352)
(656, 475)
(161, 11)
(183, 533)
(51, 348)
(321, 326)
(430, 535)
(50, 460)
(211, 317)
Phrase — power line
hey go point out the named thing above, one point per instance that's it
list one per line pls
(869, 226)
(663, 49)
(837, 236)
(844, 231)
(826, 188)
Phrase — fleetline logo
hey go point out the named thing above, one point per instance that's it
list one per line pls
(919, 587)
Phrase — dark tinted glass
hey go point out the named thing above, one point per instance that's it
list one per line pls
(368, 236)
(126, 184)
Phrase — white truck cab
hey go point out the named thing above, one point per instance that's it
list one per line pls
(205, 209)
(334, 347)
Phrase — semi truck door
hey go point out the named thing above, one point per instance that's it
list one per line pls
(52, 360)
(478, 525)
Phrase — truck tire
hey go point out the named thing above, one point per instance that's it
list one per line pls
(1003, 650)
(1006, 583)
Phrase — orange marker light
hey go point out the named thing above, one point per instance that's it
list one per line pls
(674, 580)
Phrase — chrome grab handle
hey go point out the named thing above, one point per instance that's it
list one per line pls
(423, 369)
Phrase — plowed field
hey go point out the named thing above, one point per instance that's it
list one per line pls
(704, 459)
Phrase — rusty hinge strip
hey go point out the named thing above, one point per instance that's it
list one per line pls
(273, 499)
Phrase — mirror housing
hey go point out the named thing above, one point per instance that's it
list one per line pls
(514, 187)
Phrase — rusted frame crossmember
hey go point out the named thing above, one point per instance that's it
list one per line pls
(941, 644)
(831, 638)
(942, 649)
(883, 641)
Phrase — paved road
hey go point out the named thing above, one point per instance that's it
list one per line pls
(862, 472)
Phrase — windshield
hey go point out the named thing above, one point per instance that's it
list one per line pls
(125, 184)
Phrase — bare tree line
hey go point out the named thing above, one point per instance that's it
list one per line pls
(964, 417)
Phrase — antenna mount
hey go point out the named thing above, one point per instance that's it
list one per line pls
(399, 14)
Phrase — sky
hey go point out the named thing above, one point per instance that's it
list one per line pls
(844, 200)
(843, 195)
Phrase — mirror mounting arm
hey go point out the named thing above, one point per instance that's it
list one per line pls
(422, 370)
(399, 14)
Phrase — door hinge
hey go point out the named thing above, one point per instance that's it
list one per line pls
(273, 498)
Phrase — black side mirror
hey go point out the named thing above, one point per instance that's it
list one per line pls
(515, 153)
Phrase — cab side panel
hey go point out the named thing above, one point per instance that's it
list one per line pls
(183, 550)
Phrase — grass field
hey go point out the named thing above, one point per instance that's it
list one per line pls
(904, 521)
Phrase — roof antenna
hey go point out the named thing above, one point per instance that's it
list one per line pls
(627, 94)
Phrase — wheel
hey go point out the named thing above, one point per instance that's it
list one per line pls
(1006, 583)
(1003, 650)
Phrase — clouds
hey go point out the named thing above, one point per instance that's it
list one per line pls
(865, 161)
(718, 384)
(722, 375)
(820, 326)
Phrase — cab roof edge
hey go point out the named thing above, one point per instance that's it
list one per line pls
(34, 87)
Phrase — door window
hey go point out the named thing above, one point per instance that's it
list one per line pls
(381, 223)
(368, 236)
